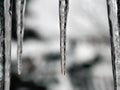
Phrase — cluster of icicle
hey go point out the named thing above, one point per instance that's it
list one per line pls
(113, 14)
(63, 11)
(5, 21)
(5, 38)
(114, 24)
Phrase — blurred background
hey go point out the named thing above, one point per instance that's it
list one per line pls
(88, 48)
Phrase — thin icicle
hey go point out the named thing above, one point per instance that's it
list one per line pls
(7, 39)
(20, 9)
(113, 17)
(2, 31)
(63, 11)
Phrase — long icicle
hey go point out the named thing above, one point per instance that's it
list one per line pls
(63, 11)
(7, 43)
(114, 24)
(20, 10)
(2, 46)
(7, 37)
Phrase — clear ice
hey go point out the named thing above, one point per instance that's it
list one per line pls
(63, 13)
(7, 38)
(6, 42)
(114, 24)
(20, 10)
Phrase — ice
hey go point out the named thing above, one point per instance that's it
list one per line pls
(7, 44)
(63, 13)
(1, 44)
(5, 38)
(113, 17)
(20, 9)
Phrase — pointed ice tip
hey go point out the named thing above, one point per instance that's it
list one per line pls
(19, 72)
(63, 72)
(19, 67)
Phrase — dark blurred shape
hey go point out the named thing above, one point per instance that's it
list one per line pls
(28, 65)
(80, 74)
(28, 34)
(52, 57)
(118, 1)
(77, 67)
(17, 84)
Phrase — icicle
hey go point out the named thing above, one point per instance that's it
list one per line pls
(63, 11)
(2, 31)
(114, 24)
(20, 9)
(5, 44)
(7, 37)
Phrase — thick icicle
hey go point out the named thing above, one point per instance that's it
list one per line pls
(63, 11)
(2, 31)
(7, 38)
(20, 9)
(114, 24)
(5, 44)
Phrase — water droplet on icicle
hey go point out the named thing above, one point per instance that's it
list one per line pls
(20, 10)
(63, 12)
